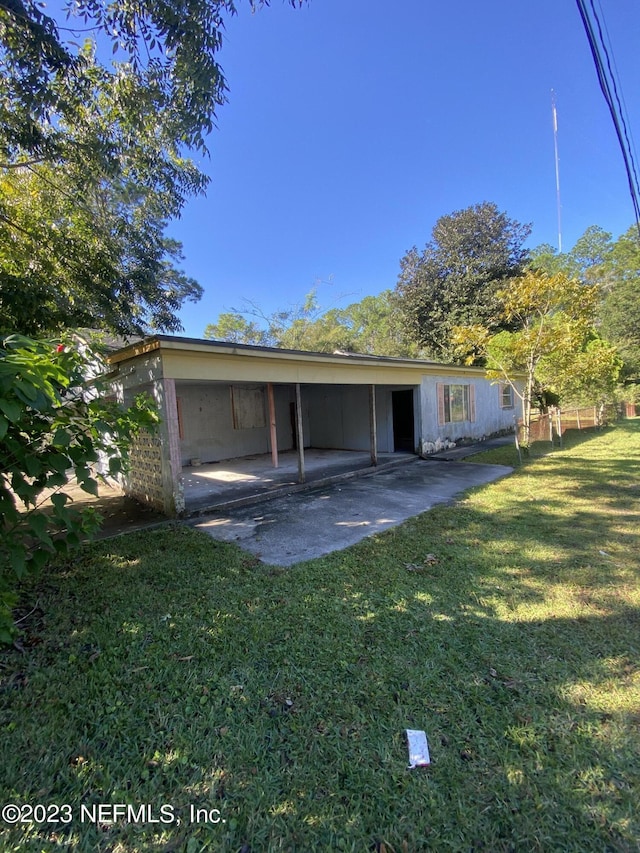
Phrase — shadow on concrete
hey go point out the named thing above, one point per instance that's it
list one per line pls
(301, 526)
(253, 479)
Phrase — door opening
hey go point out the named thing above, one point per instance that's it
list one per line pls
(403, 424)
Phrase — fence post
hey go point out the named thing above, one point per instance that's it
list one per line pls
(559, 424)
(578, 418)
(550, 416)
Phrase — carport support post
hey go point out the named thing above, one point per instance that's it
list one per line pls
(299, 434)
(373, 430)
(272, 425)
(169, 434)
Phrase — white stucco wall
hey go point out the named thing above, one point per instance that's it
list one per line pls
(338, 416)
(490, 417)
(333, 417)
(208, 432)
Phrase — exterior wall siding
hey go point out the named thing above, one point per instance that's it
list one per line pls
(208, 431)
(338, 416)
(155, 470)
(490, 418)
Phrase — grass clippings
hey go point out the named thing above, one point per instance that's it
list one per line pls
(167, 669)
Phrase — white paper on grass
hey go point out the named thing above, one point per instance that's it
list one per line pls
(418, 748)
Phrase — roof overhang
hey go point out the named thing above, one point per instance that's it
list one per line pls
(204, 360)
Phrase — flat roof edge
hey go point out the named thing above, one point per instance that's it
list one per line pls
(201, 345)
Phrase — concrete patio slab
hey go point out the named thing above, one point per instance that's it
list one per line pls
(250, 478)
(309, 524)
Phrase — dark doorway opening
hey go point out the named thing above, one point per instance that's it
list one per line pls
(403, 424)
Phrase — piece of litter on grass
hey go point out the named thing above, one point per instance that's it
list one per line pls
(418, 749)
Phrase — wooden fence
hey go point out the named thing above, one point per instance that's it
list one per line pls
(555, 422)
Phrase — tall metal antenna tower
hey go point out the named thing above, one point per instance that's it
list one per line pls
(554, 113)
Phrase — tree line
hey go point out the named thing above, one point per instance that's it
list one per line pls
(568, 322)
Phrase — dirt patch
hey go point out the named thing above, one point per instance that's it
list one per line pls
(120, 514)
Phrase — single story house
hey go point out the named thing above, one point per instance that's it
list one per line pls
(221, 401)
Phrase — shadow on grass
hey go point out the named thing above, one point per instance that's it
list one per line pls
(166, 668)
(572, 438)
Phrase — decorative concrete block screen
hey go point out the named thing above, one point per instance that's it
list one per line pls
(144, 480)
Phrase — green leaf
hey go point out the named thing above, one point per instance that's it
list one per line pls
(39, 524)
(57, 479)
(32, 464)
(26, 392)
(17, 560)
(61, 438)
(38, 560)
(59, 462)
(90, 485)
(59, 501)
(11, 409)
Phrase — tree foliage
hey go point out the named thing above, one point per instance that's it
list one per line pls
(551, 317)
(92, 158)
(53, 429)
(168, 50)
(87, 252)
(619, 311)
(454, 280)
(587, 375)
(372, 326)
(614, 266)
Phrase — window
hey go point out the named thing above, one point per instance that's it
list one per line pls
(506, 396)
(456, 403)
(247, 407)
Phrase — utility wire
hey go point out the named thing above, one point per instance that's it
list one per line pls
(612, 76)
(610, 91)
(615, 73)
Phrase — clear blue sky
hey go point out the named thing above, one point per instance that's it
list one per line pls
(353, 125)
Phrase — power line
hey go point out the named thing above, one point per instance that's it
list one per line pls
(609, 87)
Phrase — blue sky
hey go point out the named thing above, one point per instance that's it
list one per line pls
(353, 125)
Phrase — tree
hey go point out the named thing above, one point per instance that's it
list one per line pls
(586, 261)
(552, 323)
(87, 252)
(454, 280)
(284, 328)
(167, 49)
(585, 376)
(92, 158)
(614, 266)
(620, 307)
(233, 327)
(375, 326)
(53, 428)
(372, 326)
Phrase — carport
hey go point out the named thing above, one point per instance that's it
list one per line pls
(240, 421)
(268, 409)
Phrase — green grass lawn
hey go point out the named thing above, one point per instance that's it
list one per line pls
(163, 668)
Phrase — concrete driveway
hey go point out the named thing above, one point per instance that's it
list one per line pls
(309, 524)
